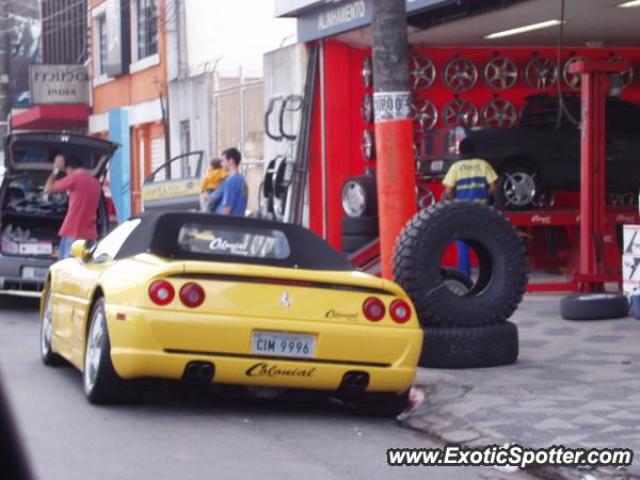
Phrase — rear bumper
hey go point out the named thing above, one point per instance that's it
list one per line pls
(11, 279)
(153, 344)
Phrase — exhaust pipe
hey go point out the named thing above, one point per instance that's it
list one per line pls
(199, 373)
(353, 386)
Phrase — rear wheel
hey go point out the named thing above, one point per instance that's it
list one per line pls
(100, 381)
(49, 357)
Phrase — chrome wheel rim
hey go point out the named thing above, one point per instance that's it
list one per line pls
(519, 188)
(46, 330)
(456, 287)
(353, 199)
(93, 354)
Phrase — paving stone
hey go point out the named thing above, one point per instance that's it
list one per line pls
(575, 383)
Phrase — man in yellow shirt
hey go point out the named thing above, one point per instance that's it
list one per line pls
(214, 177)
(472, 179)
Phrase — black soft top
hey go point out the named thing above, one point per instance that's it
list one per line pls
(158, 233)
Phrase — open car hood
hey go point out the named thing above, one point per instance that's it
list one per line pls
(30, 151)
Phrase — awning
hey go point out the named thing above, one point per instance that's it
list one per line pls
(52, 117)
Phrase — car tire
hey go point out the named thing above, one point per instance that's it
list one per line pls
(48, 356)
(501, 255)
(598, 306)
(351, 243)
(363, 186)
(457, 281)
(518, 188)
(360, 225)
(478, 347)
(100, 381)
(265, 202)
(382, 404)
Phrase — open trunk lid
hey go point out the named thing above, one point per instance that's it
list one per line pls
(29, 151)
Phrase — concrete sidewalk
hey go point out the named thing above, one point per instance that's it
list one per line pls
(576, 384)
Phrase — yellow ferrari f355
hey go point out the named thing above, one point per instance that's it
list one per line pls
(213, 299)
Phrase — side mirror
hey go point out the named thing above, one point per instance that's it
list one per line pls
(79, 249)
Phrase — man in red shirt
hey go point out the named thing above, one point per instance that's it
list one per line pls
(84, 197)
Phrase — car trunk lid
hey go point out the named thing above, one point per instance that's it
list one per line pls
(271, 292)
(35, 151)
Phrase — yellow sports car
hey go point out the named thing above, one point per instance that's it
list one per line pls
(213, 299)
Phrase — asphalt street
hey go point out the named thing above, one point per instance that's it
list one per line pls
(176, 433)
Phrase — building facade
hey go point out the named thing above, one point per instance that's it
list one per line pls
(64, 32)
(128, 65)
(48, 71)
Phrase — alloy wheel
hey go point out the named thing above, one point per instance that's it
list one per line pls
(519, 188)
(93, 355)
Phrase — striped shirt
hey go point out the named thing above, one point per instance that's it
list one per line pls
(470, 179)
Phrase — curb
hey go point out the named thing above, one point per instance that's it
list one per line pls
(432, 419)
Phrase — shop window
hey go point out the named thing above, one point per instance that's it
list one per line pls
(146, 16)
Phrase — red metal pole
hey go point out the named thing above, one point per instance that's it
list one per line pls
(595, 85)
(393, 127)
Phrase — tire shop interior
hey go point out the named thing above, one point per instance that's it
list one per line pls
(504, 68)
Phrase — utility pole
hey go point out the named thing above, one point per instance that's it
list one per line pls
(5, 57)
(393, 125)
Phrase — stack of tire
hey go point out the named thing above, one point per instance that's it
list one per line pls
(359, 203)
(467, 326)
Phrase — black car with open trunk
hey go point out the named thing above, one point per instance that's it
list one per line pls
(30, 219)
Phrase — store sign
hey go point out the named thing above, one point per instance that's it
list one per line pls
(55, 84)
(337, 18)
(322, 19)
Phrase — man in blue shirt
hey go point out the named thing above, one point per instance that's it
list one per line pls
(230, 198)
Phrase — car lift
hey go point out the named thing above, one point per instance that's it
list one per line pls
(599, 254)
(594, 223)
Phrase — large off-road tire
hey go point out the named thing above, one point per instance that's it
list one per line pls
(502, 262)
(48, 356)
(388, 405)
(598, 306)
(99, 379)
(488, 346)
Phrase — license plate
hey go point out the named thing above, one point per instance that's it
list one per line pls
(283, 344)
(437, 166)
(34, 273)
(43, 248)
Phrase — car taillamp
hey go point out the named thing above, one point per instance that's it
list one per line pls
(400, 311)
(161, 292)
(192, 295)
(373, 309)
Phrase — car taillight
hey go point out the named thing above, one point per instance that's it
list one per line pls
(191, 295)
(373, 309)
(400, 311)
(161, 292)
